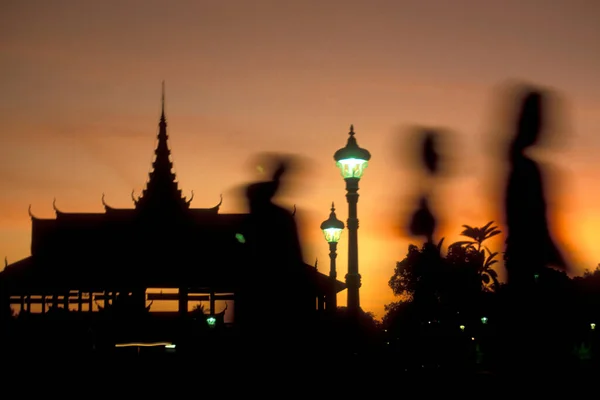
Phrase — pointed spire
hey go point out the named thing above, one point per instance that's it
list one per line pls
(161, 187)
(162, 114)
(351, 133)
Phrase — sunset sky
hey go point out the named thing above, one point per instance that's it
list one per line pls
(80, 105)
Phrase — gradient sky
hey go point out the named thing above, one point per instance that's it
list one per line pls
(80, 105)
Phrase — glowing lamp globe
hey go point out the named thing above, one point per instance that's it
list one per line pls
(211, 321)
(352, 160)
(332, 228)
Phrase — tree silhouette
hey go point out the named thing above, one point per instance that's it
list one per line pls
(475, 251)
(466, 262)
(479, 235)
(417, 275)
(426, 276)
(433, 287)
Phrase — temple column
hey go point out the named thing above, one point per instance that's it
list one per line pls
(22, 304)
(106, 299)
(79, 301)
(28, 303)
(321, 306)
(43, 304)
(66, 300)
(91, 302)
(139, 298)
(212, 303)
(183, 301)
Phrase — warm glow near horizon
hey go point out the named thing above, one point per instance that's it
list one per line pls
(81, 101)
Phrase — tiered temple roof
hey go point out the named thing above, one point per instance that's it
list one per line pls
(157, 243)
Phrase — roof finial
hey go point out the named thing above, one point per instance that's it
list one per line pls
(351, 133)
(332, 206)
(5, 261)
(163, 99)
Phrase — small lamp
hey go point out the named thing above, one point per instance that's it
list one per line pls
(352, 160)
(332, 228)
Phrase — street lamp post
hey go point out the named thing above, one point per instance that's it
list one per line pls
(352, 161)
(332, 229)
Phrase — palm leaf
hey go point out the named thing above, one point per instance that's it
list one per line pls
(486, 226)
(439, 246)
(463, 242)
(493, 233)
(491, 256)
(470, 232)
(488, 250)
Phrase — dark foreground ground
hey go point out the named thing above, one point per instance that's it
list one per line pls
(260, 375)
(37, 363)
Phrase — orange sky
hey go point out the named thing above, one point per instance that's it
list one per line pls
(81, 97)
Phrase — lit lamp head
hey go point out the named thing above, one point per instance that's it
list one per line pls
(332, 228)
(352, 160)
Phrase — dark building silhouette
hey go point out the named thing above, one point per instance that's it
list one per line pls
(90, 261)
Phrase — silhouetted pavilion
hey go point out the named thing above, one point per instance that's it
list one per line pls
(84, 258)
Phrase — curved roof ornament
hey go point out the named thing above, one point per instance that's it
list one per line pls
(135, 201)
(54, 206)
(225, 309)
(5, 261)
(30, 213)
(188, 202)
(106, 206)
(294, 212)
(220, 202)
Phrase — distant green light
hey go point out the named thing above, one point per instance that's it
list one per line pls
(484, 320)
(240, 238)
(211, 321)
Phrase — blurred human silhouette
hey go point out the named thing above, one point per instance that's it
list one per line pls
(530, 246)
(534, 322)
(274, 284)
(427, 161)
(423, 221)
